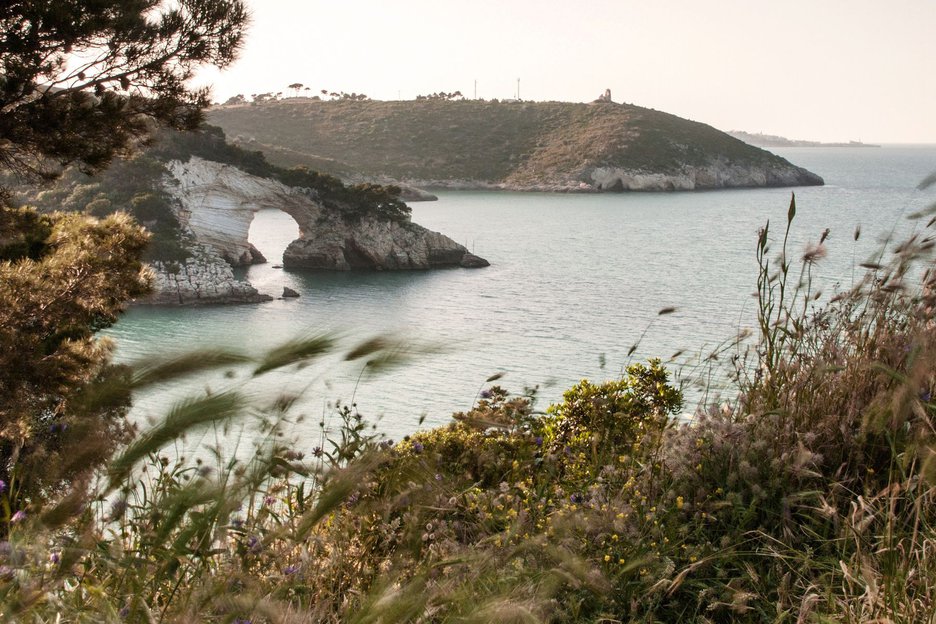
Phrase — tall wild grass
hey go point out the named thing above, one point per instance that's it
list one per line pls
(809, 497)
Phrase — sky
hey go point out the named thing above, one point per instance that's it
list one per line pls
(825, 70)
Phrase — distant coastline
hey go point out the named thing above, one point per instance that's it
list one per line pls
(772, 140)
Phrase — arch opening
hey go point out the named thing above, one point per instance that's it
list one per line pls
(270, 232)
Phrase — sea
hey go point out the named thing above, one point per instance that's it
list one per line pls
(574, 291)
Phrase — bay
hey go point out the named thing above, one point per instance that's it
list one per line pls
(575, 282)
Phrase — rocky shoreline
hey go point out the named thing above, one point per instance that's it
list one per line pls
(619, 180)
(215, 205)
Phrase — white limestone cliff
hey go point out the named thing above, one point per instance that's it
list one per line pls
(216, 204)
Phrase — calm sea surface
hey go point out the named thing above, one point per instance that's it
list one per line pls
(575, 281)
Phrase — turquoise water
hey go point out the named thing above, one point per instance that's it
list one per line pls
(575, 281)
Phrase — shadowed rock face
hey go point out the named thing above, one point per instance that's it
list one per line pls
(218, 203)
(375, 245)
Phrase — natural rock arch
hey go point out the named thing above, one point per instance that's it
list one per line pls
(217, 203)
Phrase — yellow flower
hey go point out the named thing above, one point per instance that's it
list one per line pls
(607, 557)
(679, 502)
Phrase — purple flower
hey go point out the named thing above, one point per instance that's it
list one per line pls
(438, 477)
(485, 394)
(269, 500)
(292, 569)
(925, 396)
(576, 498)
(417, 448)
(2, 486)
(539, 440)
(254, 544)
(124, 612)
(55, 557)
(19, 516)
(237, 523)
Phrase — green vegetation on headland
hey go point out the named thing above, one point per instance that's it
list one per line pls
(522, 145)
(806, 496)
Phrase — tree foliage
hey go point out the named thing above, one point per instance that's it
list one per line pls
(82, 81)
(64, 277)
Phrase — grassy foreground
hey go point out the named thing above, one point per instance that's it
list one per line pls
(808, 498)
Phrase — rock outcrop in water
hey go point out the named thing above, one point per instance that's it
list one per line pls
(216, 205)
(203, 278)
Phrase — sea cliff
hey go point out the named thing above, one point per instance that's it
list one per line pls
(215, 204)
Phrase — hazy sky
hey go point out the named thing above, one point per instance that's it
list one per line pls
(808, 69)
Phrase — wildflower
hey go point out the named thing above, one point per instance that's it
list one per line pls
(254, 544)
(3, 486)
(607, 557)
(538, 440)
(19, 516)
(679, 502)
(417, 448)
(55, 558)
(291, 569)
(438, 477)
(317, 451)
(124, 612)
(269, 500)
(118, 507)
(925, 396)
(485, 394)
(576, 498)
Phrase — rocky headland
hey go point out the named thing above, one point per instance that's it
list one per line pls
(526, 146)
(772, 140)
(216, 203)
(198, 195)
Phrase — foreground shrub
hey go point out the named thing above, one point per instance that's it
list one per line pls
(809, 498)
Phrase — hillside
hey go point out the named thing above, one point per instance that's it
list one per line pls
(772, 140)
(516, 145)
